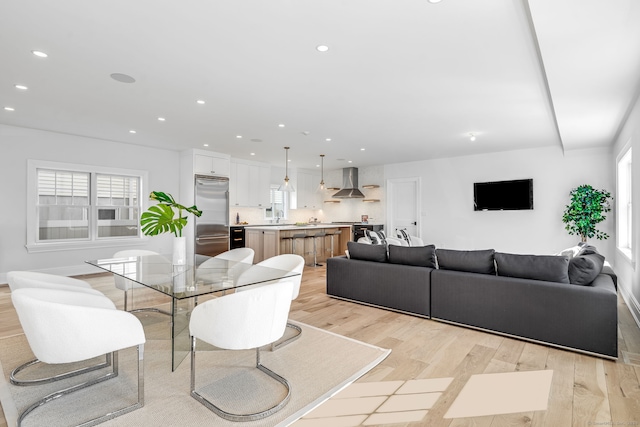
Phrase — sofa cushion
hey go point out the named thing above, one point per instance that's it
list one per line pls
(364, 252)
(421, 256)
(480, 261)
(583, 269)
(550, 268)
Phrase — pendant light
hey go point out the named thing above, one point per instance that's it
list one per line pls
(285, 186)
(321, 187)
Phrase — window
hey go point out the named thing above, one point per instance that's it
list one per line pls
(624, 206)
(279, 204)
(77, 206)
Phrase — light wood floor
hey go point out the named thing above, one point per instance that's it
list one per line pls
(586, 390)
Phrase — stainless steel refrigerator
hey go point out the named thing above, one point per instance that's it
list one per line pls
(212, 227)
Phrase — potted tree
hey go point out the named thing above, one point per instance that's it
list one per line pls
(161, 218)
(585, 211)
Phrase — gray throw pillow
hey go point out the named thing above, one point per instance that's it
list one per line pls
(480, 261)
(365, 252)
(550, 268)
(421, 256)
(583, 269)
(587, 249)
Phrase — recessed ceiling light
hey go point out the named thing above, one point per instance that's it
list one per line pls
(122, 78)
(253, 154)
(362, 149)
(132, 131)
(434, 1)
(200, 101)
(161, 119)
(350, 161)
(281, 125)
(322, 48)
(472, 136)
(205, 145)
(21, 87)
(328, 139)
(39, 53)
(9, 109)
(239, 136)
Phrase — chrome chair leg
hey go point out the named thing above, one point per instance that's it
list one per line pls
(278, 344)
(238, 417)
(15, 381)
(110, 375)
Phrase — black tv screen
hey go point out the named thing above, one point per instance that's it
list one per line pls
(503, 195)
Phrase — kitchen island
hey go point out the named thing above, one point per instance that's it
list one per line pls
(271, 240)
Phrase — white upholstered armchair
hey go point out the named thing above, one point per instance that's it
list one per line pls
(63, 327)
(240, 321)
(287, 262)
(32, 279)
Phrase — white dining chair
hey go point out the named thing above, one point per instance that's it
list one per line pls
(213, 270)
(242, 321)
(243, 255)
(290, 263)
(64, 327)
(154, 264)
(32, 279)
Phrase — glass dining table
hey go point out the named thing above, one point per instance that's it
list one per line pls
(183, 284)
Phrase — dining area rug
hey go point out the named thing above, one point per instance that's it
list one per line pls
(317, 365)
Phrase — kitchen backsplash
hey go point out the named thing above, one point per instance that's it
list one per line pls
(346, 210)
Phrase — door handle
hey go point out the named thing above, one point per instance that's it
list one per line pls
(415, 223)
(211, 238)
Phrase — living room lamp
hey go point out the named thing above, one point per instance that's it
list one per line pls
(286, 187)
(321, 187)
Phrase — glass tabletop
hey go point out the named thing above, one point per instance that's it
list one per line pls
(204, 275)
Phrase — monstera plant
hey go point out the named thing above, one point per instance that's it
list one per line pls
(586, 211)
(161, 218)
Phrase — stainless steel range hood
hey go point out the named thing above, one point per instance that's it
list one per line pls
(349, 185)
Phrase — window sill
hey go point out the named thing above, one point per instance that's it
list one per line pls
(627, 255)
(76, 246)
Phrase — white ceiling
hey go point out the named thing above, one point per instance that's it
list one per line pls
(404, 79)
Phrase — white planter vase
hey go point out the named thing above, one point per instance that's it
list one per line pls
(179, 251)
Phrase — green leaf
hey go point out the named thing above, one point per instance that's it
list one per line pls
(158, 219)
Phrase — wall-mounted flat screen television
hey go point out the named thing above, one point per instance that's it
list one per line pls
(503, 195)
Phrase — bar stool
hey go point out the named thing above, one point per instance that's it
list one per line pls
(315, 247)
(334, 233)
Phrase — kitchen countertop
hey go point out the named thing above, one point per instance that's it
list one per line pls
(297, 227)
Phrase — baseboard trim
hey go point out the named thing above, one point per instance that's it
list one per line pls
(631, 301)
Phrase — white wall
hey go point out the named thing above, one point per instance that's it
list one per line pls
(449, 221)
(19, 144)
(627, 270)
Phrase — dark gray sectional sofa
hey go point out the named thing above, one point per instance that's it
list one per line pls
(564, 301)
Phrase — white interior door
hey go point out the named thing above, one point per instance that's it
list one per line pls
(403, 206)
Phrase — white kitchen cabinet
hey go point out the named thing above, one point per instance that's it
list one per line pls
(250, 184)
(207, 164)
(307, 196)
